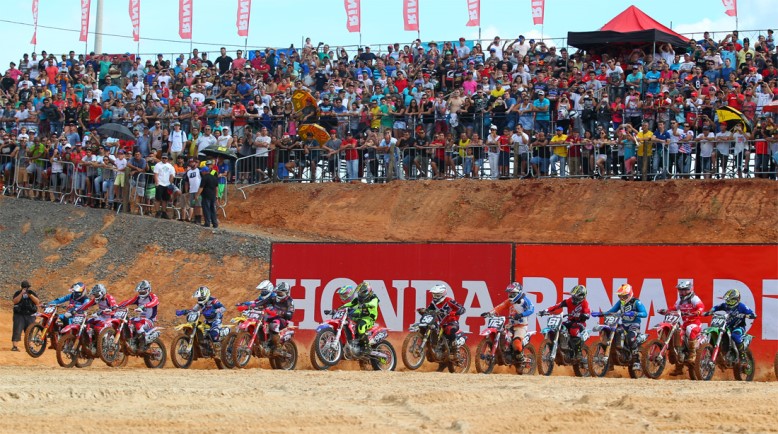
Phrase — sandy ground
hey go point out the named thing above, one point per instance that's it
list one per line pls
(195, 401)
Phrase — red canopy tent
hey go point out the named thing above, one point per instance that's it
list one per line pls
(631, 27)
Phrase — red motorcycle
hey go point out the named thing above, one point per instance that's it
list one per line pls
(670, 345)
(124, 338)
(496, 348)
(253, 338)
(336, 340)
(46, 328)
(78, 341)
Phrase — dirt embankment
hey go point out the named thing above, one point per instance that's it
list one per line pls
(574, 211)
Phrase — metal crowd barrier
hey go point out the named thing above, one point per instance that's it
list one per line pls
(143, 195)
(42, 179)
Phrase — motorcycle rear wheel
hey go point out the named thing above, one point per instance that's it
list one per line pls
(390, 364)
(410, 348)
(530, 361)
(705, 366)
(546, 362)
(653, 361)
(598, 364)
(178, 355)
(582, 369)
(228, 351)
(327, 348)
(158, 358)
(745, 373)
(285, 363)
(316, 364)
(35, 340)
(462, 364)
(65, 356)
(484, 362)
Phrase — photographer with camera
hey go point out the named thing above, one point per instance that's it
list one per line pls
(25, 306)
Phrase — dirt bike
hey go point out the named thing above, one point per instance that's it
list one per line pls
(556, 348)
(77, 341)
(612, 350)
(335, 340)
(670, 345)
(718, 348)
(46, 328)
(124, 338)
(496, 348)
(228, 343)
(194, 341)
(253, 338)
(426, 340)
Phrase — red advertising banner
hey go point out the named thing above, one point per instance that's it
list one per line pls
(538, 11)
(400, 275)
(473, 13)
(135, 19)
(185, 19)
(411, 15)
(353, 15)
(549, 271)
(730, 7)
(244, 17)
(85, 8)
(34, 40)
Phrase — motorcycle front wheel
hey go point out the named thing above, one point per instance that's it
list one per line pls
(705, 366)
(581, 369)
(181, 358)
(35, 340)
(599, 362)
(546, 363)
(653, 361)
(156, 355)
(412, 351)
(328, 349)
(745, 369)
(228, 351)
(527, 367)
(462, 363)
(316, 363)
(287, 361)
(388, 364)
(66, 356)
(484, 362)
(109, 351)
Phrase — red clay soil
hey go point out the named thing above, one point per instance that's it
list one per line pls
(556, 210)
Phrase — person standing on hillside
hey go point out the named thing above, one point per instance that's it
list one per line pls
(207, 192)
(25, 305)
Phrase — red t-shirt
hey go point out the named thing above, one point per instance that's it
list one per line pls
(439, 149)
(351, 153)
(575, 146)
(505, 143)
(238, 111)
(95, 111)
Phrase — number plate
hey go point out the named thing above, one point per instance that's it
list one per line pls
(427, 320)
(122, 314)
(78, 319)
(460, 341)
(584, 335)
(339, 314)
(611, 320)
(379, 336)
(718, 322)
(51, 309)
(192, 317)
(672, 318)
(253, 315)
(495, 322)
(553, 322)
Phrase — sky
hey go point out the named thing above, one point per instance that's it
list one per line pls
(281, 23)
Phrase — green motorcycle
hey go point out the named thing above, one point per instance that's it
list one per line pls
(718, 349)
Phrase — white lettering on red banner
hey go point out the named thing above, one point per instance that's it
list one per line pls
(353, 15)
(411, 15)
(244, 17)
(538, 11)
(185, 19)
(730, 7)
(473, 13)
(34, 39)
(85, 7)
(135, 19)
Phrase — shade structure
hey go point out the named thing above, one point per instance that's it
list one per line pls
(631, 27)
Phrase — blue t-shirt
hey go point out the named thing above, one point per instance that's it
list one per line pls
(653, 75)
(544, 114)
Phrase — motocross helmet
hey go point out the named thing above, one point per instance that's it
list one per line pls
(438, 293)
(282, 291)
(202, 294)
(265, 294)
(625, 293)
(364, 291)
(78, 289)
(685, 290)
(347, 293)
(144, 288)
(732, 297)
(515, 292)
(98, 291)
(265, 284)
(578, 294)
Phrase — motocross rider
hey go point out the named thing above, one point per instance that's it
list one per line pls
(212, 311)
(75, 299)
(735, 324)
(517, 308)
(691, 308)
(577, 313)
(105, 304)
(280, 302)
(147, 306)
(450, 310)
(632, 311)
(363, 309)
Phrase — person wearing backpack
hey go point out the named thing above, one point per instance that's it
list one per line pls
(25, 306)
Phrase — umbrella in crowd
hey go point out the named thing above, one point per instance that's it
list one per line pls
(319, 133)
(115, 131)
(302, 99)
(771, 108)
(219, 151)
(732, 117)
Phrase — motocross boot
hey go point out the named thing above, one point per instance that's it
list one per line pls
(275, 344)
(693, 346)
(518, 354)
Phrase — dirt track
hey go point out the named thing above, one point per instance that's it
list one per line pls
(106, 400)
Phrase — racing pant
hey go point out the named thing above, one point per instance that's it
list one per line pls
(363, 325)
(632, 331)
(277, 324)
(737, 336)
(519, 332)
(692, 330)
(575, 328)
(450, 330)
(142, 325)
(215, 327)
